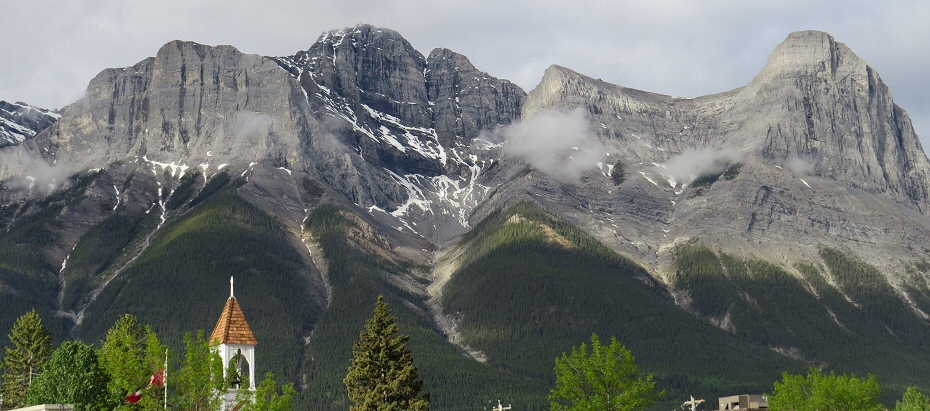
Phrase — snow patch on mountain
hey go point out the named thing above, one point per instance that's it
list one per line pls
(20, 121)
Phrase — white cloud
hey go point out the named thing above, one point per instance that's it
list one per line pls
(693, 163)
(253, 126)
(801, 166)
(556, 142)
(27, 172)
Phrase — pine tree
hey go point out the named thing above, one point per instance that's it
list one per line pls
(26, 358)
(382, 376)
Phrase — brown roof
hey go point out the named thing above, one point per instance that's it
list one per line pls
(232, 327)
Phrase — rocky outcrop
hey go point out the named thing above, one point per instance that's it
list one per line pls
(20, 121)
(200, 108)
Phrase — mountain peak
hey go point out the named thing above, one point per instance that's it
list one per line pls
(186, 47)
(813, 51)
(363, 36)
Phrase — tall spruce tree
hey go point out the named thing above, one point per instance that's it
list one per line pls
(382, 376)
(25, 358)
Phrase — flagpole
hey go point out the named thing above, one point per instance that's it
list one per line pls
(165, 378)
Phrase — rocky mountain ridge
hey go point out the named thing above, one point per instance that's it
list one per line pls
(826, 158)
(412, 153)
(20, 121)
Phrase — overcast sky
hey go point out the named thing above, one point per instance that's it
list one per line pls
(49, 50)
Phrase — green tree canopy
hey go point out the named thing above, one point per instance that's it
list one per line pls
(73, 376)
(201, 386)
(913, 400)
(25, 358)
(603, 379)
(131, 354)
(820, 392)
(382, 376)
(267, 397)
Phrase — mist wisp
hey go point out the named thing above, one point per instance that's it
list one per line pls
(27, 172)
(556, 142)
(800, 166)
(249, 128)
(694, 163)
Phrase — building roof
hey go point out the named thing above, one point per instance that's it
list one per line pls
(232, 327)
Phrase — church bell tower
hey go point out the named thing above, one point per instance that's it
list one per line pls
(234, 341)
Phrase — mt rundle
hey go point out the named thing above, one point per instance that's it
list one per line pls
(774, 227)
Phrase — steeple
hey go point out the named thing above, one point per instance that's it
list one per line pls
(234, 341)
(232, 327)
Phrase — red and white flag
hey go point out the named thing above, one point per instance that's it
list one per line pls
(157, 380)
(134, 397)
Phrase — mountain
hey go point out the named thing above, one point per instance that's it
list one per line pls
(725, 239)
(20, 121)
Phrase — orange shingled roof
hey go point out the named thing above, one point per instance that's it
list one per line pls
(232, 327)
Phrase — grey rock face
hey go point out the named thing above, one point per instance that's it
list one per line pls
(353, 111)
(396, 108)
(195, 107)
(362, 79)
(466, 101)
(20, 121)
(835, 109)
(814, 101)
(190, 105)
(827, 159)
(409, 119)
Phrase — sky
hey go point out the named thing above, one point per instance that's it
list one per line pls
(50, 50)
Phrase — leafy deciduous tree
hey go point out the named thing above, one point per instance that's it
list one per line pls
(382, 376)
(913, 400)
(819, 392)
(603, 379)
(73, 376)
(201, 386)
(266, 397)
(25, 358)
(131, 354)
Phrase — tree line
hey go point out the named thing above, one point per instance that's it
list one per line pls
(130, 371)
